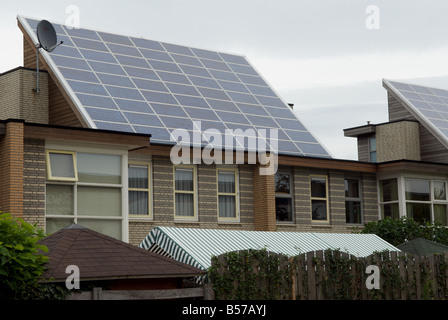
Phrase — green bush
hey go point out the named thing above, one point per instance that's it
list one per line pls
(21, 259)
(397, 231)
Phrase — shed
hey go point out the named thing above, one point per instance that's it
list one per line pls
(422, 247)
(112, 262)
(196, 246)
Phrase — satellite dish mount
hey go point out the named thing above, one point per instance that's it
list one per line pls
(47, 40)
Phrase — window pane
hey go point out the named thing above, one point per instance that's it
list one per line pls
(390, 210)
(184, 204)
(283, 209)
(373, 157)
(420, 212)
(62, 165)
(440, 214)
(352, 212)
(59, 200)
(227, 206)
(111, 228)
(99, 168)
(97, 201)
(439, 190)
(319, 209)
(138, 177)
(372, 144)
(417, 189)
(318, 187)
(54, 224)
(282, 183)
(351, 188)
(184, 180)
(389, 190)
(226, 182)
(138, 202)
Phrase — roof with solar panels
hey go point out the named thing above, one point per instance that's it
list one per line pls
(428, 105)
(129, 84)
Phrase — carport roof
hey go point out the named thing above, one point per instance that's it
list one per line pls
(197, 246)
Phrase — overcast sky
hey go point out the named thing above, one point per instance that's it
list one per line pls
(328, 57)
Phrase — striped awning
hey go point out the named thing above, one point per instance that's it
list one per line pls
(197, 246)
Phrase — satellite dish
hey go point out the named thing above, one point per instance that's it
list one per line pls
(46, 34)
(48, 40)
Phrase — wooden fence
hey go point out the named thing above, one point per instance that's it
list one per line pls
(330, 275)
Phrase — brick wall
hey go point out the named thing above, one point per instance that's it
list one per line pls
(264, 200)
(11, 169)
(19, 99)
(34, 177)
(163, 201)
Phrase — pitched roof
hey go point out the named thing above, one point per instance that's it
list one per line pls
(100, 257)
(426, 104)
(123, 83)
(422, 247)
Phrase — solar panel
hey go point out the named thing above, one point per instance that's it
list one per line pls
(429, 105)
(138, 85)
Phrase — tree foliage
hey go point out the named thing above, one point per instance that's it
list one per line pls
(21, 258)
(397, 231)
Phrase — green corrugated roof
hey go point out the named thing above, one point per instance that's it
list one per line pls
(422, 247)
(197, 246)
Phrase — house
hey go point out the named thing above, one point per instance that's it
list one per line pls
(125, 134)
(410, 151)
(109, 263)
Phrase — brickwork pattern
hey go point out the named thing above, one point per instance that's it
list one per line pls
(11, 169)
(264, 200)
(34, 178)
(19, 99)
(397, 141)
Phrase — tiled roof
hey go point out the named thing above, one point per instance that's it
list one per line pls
(101, 257)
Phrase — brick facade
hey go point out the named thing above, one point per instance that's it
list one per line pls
(34, 177)
(11, 169)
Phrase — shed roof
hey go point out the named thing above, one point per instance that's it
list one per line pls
(197, 246)
(422, 247)
(100, 257)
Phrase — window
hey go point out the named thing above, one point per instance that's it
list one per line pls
(352, 201)
(227, 194)
(372, 149)
(319, 199)
(389, 198)
(94, 199)
(426, 200)
(185, 192)
(283, 197)
(61, 165)
(139, 189)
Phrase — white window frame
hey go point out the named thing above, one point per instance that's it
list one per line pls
(148, 166)
(235, 172)
(68, 146)
(194, 192)
(50, 175)
(327, 199)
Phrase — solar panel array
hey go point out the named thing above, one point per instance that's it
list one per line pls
(137, 85)
(430, 103)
